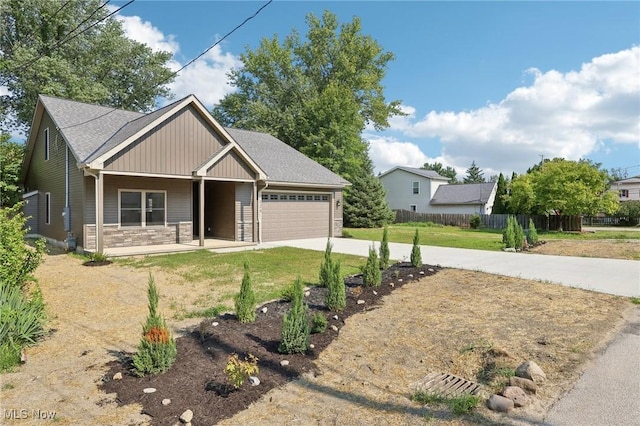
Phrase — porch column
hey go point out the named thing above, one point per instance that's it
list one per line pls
(254, 232)
(201, 215)
(99, 212)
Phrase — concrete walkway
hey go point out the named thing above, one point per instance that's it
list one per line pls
(608, 393)
(612, 276)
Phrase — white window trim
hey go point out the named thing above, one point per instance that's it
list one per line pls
(413, 187)
(415, 208)
(142, 206)
(47, 145)
(47, 208)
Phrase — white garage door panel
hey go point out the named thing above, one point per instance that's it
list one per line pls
(287, 220)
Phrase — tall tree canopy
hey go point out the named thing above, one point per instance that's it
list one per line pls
(500, 203)
(474, 174)
(365, 204)
(316, 95)
(71, 49)
(563, 187)
(449, 171)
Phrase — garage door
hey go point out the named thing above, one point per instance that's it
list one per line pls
(288, 216)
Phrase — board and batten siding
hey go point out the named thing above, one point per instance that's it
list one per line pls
(244, 211)
(219, 210)
(176, 147)
(179, 202)
(231, 166)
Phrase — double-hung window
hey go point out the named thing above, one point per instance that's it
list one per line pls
(46, 144)
(416, 187)
(143, 208)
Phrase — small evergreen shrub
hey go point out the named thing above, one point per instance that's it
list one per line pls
(157, 350)
(238, 371)
(532, 233)
(318, 323)
(245, 301)
(336, 298)
(384, 249)
(372, 277)
(519, 235)
(475, 222)
(416, 256)
(295, 324)
(326, 266)
(513, 235)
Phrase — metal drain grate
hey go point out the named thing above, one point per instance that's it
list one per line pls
(447, 385)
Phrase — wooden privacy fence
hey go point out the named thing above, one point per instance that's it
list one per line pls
(493, 221)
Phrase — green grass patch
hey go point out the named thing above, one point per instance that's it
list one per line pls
(599, 235)
(635, 300)
(463, 404)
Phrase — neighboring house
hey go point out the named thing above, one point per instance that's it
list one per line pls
(465, 198)
(628, 189)
(410, 188)
(99, 178)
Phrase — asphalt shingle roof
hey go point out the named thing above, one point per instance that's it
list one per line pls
(468, 193)
(93, 130)
(421, 172)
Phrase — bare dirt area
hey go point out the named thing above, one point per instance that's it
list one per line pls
(466, 323)
(612, 249)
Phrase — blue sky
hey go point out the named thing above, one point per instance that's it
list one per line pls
(499, 83)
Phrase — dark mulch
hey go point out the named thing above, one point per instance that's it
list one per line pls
(197, 382)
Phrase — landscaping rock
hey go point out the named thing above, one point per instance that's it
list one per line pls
(186, 417)
(517, 395)
(254, 381)
(215, 323)
(532, 371)
(149, 390)
(334, 328)
(166, 401)
(361, 302)
(499, 403)
(117, 376)
(335, 317)
(284, 362)
(264, 310)
(509, 249)
(525, 384)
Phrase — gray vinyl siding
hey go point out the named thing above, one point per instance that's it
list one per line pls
(30, 209)
(179, 203)
(244, 211)
(176, 147)
(48, 176)
(231, 166)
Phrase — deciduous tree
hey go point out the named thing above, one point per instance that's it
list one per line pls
(72, 49)
(11, 154)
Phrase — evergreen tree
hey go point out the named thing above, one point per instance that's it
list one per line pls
(295, 324)
(365, 204)
(336, 298)
(416, 255)
(500, 204)
(245, 301)
(326, 266)
(372, 276)
(474, 174)
(384, 249)
(449, 171)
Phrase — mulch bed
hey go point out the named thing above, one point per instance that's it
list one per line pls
(197, 382)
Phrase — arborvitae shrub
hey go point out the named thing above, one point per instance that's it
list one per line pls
(372, 276)
(157, 349)
(325, 266)
(416, 256)
(336, 298)
(519, 234)
(245, 301)
(318, 323)
(384, 249)
(532, 233)
(295, 324)
(509, 234)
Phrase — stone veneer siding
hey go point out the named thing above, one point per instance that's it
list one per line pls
(114, 236)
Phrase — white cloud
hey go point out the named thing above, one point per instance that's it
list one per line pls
(387, 153)
(566, 115)
(206, 78)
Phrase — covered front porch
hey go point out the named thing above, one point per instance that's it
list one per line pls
(209, 244)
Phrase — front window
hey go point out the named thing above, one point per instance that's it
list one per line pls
(413, 208)
(131, 205)
(624, 193)
(416, 187)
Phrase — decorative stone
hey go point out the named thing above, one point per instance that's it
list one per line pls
(264, 310)
(335, 317)
(391, 285)
(532, 371)
(312, 346)
(187, 416)
(410, 275)
(421, 272)
(149, 390)
(117, 376)
(307, 293)
(215, 323)
(166, 401)
(361, 302)
(375, 293)
(509, 249)
(334, 328)
(517, 395)
(525, 384)
(499, 403)
(399, 280)
(431, 270)
(254, 381)
(284, 362)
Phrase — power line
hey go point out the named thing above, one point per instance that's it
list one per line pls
(219, 41)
